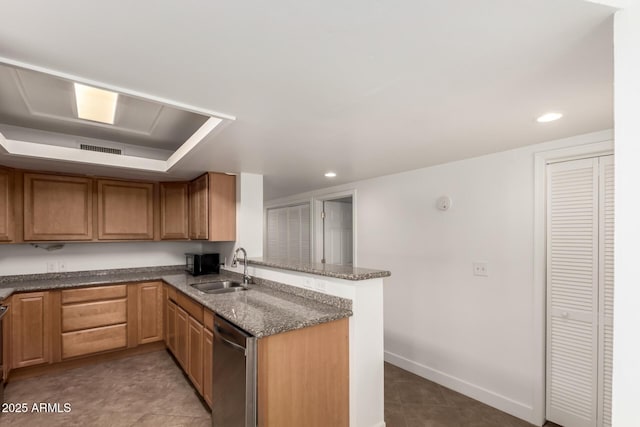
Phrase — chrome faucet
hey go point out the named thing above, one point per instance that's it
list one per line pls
(246, 278)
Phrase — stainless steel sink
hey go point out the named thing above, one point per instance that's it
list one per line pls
(219, 287)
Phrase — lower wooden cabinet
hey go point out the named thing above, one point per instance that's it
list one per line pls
(182, 338)
(30, 329)
(149, 312)
(207, 367)
(170, 330)
(195, 353)
(94, 340)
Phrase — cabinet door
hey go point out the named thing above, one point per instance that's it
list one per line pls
(222, 207)
(182, 338)
(149, 312)
(195, 353)
(57, 207)
(170, 332)
(6, 205)
(207, 367)
(174, 210)
(199, 208)
(125, 210)
(30, 324)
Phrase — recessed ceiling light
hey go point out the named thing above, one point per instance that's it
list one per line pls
(330, 174)
(95, 104)
(549, 117)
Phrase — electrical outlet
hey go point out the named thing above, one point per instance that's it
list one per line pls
(308, 283)
(321, 285)
(62, 266)
(52, 267)
(481, 269)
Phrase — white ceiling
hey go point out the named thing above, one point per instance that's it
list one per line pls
(361, 87)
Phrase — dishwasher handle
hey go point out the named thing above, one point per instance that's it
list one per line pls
(218, 332)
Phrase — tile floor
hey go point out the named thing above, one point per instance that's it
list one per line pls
(150, 390)
(144, 390)
(412, 401)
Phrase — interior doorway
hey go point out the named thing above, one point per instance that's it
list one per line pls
(334, 230)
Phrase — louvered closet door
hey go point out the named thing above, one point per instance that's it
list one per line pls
(606, 289)
(572, 292)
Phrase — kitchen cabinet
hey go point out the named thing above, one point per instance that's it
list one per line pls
(93, 320)
(195, 353)
(149, 312)
(125, 210)
(174, 210)
(6, 205)
(212, 207)
(303, 373)
(207, 366)
(198, 208)
(6, 341)
(30, 329)
(57, 207)
(182, 337)
(189, 340)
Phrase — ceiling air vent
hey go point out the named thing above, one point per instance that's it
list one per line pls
(101, 149)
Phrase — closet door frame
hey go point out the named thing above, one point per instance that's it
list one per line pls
(592, 145)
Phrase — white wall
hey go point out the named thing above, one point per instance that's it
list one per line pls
(25, 259)
(473, 334)
(626, 351)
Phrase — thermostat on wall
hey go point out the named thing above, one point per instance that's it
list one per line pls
(444, 203)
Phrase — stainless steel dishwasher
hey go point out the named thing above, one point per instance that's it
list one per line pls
(234, 376)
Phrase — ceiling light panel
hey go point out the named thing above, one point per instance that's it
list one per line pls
(95, 104)
(549, 117)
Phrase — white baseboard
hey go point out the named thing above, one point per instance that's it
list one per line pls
(503, 403)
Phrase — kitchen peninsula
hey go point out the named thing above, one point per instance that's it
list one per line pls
(137, 305)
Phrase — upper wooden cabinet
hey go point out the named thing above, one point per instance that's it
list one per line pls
(212, 207)
(57, 207)
(125, 210)
(198, 208)
(174, 210)
(6, 205)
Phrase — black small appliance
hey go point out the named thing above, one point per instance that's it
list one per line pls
(198, 264)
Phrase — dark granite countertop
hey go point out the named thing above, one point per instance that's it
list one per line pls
(261, 310)
(345, 272)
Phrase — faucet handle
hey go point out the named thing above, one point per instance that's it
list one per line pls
(234, 261)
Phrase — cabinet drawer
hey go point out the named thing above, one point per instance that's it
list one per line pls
(172, 293)
(93, 340)
(191, 307)
(69, 296)
(93, 314)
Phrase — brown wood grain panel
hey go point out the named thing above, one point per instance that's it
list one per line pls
(89, 341)
(303, 377)
(199, 208)
(6, 341)
(170, 332)
(222, 207)
(194, 309)
(172, 293)
(31, 329)
(57, 207)
(56, 326)
(207, 367)
(125, 210)
(182, 337)
(7, 225)
(149, 312)
(70, 296)
(18, 206)
(132, 315)
(195, 353)
(208, 319)
(174, 210)
(88, 315)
